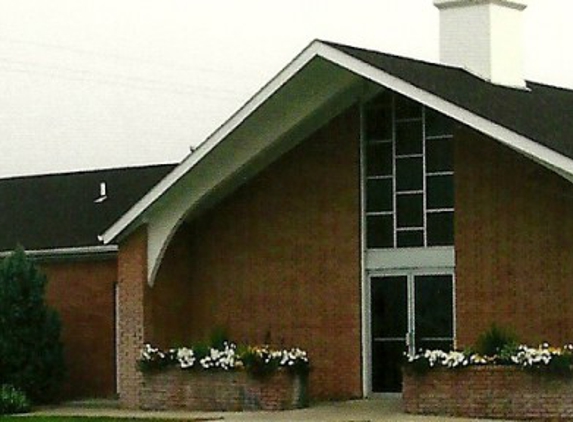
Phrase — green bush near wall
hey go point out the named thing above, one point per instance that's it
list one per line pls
(13, 401)
(31, 353)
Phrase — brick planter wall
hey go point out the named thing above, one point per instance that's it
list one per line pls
(222, 391)
(488, 392)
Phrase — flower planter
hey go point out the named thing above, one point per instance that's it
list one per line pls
(218, 390)
(488, 392)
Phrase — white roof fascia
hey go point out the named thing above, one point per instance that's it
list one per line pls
(213, 140)
(66, 252)
(546, 156)
(552, 159)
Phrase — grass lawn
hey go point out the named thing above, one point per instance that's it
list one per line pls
(25, 418)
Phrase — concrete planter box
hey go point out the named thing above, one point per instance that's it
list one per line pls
(488, 392)
(174, 389)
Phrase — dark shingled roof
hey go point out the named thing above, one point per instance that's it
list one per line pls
(542, 113)
(58, 211)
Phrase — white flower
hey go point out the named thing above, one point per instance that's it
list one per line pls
(149, 353)
(185, 357)
(224, 359)
(454, 359)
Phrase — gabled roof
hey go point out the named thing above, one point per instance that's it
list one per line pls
(59, 212)
(542, 113)
(536, 122)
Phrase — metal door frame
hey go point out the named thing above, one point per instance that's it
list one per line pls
(410, 274)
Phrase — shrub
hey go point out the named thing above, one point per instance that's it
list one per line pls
(30, 348)
(259, 361)
(496, 340)
(13, 400)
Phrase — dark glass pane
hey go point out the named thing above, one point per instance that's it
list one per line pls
(445, 345)
(381, 100)
(439, 155)
(440, 192)
(409, 137)
(380, 231)
(389, 307)
(379, 159)
(387, 360)
(409, 174)
(437, 124)
(379, 195)
(440, 228)
(407, 108)
(378, 123)
(434, 307)
(410, 239)
(410, 210)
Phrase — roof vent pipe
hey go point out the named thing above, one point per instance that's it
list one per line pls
(485, 37)
(102, 193)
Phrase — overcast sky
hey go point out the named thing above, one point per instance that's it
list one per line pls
(105, 83)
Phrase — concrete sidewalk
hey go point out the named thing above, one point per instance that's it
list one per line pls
(375, 410)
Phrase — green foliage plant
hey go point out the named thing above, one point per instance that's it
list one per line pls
(13, 401)
(31, 353)
(259, 361)
(497, 341)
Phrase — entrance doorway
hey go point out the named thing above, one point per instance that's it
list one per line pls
(409, 311)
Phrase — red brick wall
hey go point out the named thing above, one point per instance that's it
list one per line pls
(278, 260)
(218, 390)
(134, 314)
(514, 249)
(172, 295)
(488, 392)
(83, 294)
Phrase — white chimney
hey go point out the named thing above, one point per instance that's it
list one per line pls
(485, 37)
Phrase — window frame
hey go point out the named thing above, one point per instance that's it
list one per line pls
(368, 113)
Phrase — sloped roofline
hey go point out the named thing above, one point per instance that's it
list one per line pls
(71, 252)
(524, 145)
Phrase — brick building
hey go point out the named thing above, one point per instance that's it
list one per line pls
(57, 219)
(361, 205)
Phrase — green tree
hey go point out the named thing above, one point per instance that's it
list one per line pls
(31, 353)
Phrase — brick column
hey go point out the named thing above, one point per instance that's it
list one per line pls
(133, 318)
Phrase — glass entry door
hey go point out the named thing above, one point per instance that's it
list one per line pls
(409, 311)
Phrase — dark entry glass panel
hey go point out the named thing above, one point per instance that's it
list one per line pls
(409, 174)
(440, 228)
(389, 310)
(383, 99)
(389, 326)
(410, 239)
(380, 231)
(440, 192)
(429, 344)
(379, 196)
(433, 308)
(379, 159)
(378, 123)
(407, 108)
(437, 124)
(439, 155)
(409, 137)
(410, 210)
(387, 358)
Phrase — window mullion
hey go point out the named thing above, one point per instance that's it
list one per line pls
(395, 196)
(424, 187)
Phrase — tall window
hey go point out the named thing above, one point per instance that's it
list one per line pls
(409, 174)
